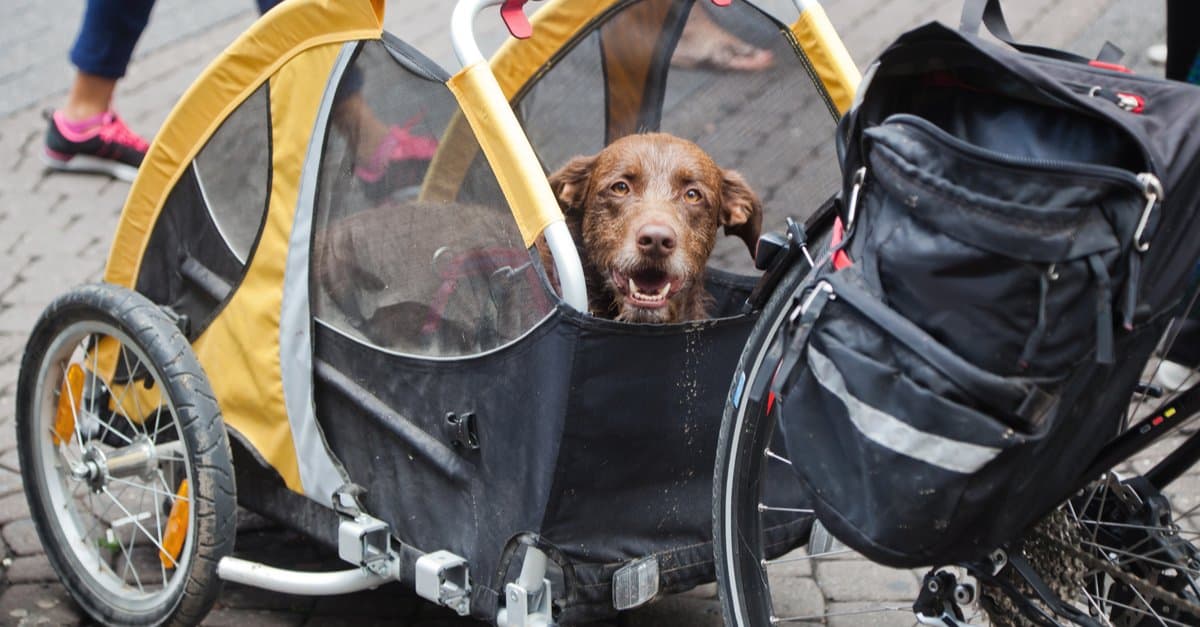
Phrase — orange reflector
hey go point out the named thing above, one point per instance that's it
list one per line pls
(177, 526)
(69, 399)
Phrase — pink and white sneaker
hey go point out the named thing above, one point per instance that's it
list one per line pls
(398, 163)
(102, 144)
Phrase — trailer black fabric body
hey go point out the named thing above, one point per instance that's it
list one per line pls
(391, 331)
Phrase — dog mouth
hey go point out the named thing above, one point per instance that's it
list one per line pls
(648, 288)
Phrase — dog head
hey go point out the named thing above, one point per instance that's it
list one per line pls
(647, 209)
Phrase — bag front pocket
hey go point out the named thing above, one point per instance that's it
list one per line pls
(1015, 264)
(892, 433)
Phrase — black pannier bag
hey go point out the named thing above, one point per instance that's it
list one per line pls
(1020, 226)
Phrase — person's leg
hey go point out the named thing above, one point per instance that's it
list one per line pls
(1183, 39)
(266, 5)
(85, 135)
(110, 30)
(704, 44)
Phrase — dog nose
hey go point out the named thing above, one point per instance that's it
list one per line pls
(656, 239)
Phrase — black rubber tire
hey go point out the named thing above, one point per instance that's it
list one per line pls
(198, 424)
(745, 598)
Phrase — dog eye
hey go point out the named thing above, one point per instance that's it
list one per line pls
(693, 195)
(620, 187)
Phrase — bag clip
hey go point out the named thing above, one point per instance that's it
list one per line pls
(860, 175)
(1153, 190)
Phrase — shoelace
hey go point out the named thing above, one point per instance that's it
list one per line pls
(113, 130)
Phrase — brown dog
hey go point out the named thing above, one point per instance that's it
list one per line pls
(645, 211)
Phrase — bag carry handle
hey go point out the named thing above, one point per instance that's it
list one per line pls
(989, 14)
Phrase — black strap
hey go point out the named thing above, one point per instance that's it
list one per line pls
(989, 14)
(1034, 341)
(1105, 349)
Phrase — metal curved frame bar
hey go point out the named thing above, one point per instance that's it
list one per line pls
(568, 267)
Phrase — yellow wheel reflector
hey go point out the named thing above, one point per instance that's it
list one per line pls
(69, 400)
(177, 526)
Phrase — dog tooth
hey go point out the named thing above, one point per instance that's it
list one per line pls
(632, 286)
(665, 288)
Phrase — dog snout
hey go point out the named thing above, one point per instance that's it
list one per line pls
(656, 240)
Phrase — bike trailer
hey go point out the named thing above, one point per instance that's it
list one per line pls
(1019, 230)
(396, 376)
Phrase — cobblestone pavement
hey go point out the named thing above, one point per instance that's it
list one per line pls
(55, 231)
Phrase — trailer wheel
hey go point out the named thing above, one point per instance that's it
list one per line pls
(126, 463)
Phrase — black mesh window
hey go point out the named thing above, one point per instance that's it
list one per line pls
(199, 248)
(235, 190)
(638, 70)
(414, 248)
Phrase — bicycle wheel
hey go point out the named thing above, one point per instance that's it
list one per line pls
(756, 587)
(1121, 552)
(125, 458)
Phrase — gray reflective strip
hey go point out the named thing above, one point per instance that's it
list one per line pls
(894, 434)
(320, 474)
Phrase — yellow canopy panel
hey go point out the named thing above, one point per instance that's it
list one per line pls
(292, 49)
(289, 29)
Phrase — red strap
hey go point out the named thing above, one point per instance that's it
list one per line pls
(1116, 67)
(840, 258)
(513, 14)
(722, 3)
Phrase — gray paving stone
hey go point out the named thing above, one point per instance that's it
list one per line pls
(18, 319)
(13, 507)
(10, 482)
(8, 431)
(245, 618)
(796, 597)
(860, 580)
(30, 569)
(11, 346)
(10, 460)
(239, 597)
(676, 611)
(38, 604)
(22, 538)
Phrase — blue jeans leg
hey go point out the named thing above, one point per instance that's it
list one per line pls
(110, 30)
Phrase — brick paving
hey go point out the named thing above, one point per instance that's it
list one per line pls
(55, 231)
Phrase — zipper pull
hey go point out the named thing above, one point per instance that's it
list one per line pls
(1153, 190)
(1132, 103)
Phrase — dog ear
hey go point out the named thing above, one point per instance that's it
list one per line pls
(741, 211)
(569, 182)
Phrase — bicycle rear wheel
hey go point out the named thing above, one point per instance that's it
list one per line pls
(1122, 551)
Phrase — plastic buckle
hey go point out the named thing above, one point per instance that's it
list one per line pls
(513, 14)
(462, 431)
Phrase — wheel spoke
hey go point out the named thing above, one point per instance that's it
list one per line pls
(821, 617)
(129, 386)
(805, 558)
(152, 490)
(1109, 551)
(763, 507)
(137, 524)
(778, 457)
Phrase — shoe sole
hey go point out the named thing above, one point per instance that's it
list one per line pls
(92, 165)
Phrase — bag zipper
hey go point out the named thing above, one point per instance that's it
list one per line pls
(970, 150)
(1126, 101)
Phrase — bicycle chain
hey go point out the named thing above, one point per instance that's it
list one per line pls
(1139, 584)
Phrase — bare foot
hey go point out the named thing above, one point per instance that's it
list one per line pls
(705, 45)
